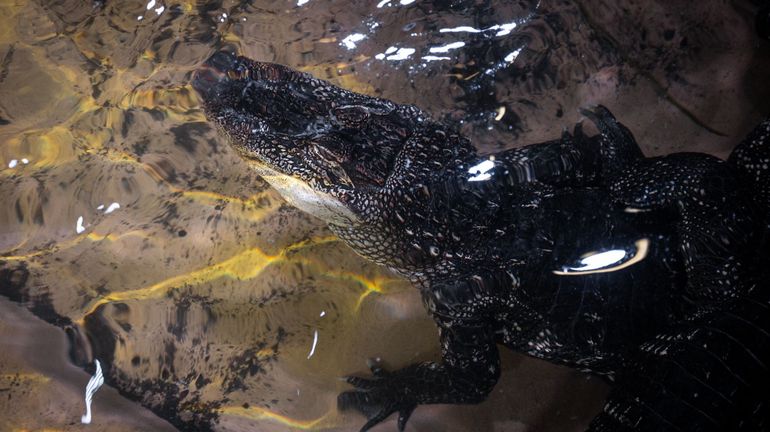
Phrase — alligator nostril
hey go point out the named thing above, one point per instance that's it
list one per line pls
(206, 79)
(222, 61)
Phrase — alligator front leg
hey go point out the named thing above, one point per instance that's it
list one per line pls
(469, 369)
(569, 161)
(617, 146)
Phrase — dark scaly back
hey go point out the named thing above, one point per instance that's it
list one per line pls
(717, 219)
(708, 372)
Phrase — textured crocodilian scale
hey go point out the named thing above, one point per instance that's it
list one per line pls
(579, 250)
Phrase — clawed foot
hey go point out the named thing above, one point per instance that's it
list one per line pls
(610, 128)
(378, 397)
(599, 115)
(618, 147)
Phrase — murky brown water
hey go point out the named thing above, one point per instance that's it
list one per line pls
(127, 221)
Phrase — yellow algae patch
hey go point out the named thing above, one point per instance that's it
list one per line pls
(249, 209)
(96, 237)
(213, 198)
(8, 12)
(113, 118)
(243, 266)
(121, 157)
(265, 353)
(30, 377)
(43, 148)
(116, 156)
(178, 99)
(81, 41)
(201, 196)
(52, 146)
(310, 242)
(232, 37)
(39, 252)
(28, 256)
(92, 236)
(38, 430)
(149, 55)
(188, 5)
(370, 286)
(257, 413)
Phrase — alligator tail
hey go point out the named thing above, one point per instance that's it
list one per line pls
(752, 157)
(709, 374)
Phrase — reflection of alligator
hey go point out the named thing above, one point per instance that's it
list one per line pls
(641, 270)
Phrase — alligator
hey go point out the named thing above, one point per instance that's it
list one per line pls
(648, 272)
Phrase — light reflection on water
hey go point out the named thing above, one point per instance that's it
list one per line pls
(129, 220)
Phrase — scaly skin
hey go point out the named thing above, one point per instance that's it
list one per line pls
(496, 245)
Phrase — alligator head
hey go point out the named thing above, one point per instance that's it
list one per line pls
(327, 150)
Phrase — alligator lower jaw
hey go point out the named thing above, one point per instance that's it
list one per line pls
(299, 194)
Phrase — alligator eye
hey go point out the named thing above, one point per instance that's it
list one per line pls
(327, 167)
(326, 153)
(350, 115)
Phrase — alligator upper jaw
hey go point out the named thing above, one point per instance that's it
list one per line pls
(301, 126)
(273, 98)
(211, 76)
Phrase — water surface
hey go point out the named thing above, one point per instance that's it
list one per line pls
(129, 225)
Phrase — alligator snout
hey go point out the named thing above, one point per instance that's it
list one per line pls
(222, 61)
(208, 79)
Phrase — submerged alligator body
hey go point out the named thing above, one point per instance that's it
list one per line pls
(579, 250)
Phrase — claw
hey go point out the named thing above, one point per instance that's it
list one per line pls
(358, 401)
(578, 130)
(618, 141)
(590, 113)
(403, 417)
(587, 110)
(380, 416)
(377, 397)
(375, 365)
(346, 400)
(601, 116)
(360, 383)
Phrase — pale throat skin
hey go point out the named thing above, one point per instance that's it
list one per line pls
(495, 243)
(299, 194)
